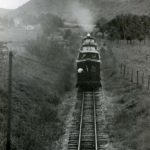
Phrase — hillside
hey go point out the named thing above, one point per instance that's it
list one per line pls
(101, 8)
(127, 104)
(37, 7)
(40, 82)
(3, 12)
(111, 8)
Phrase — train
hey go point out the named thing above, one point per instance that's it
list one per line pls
(89, 41)
(88, 64)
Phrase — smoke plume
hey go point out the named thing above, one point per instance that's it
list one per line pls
(83, 16)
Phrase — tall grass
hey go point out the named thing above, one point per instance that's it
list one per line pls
(130, 104)
(38, 88)
(3, 119)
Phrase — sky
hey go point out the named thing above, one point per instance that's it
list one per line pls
(12, 4)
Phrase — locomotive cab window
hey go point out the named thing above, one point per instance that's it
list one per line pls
(88, 55)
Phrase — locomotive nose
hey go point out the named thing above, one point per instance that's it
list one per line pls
(80, 70)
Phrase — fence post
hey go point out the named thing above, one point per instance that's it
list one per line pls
(128, 69)
(137, 82)
(143, 78)
(121, 68)
(124, 71)
(8, 144)
(132, 75)
(148, 82)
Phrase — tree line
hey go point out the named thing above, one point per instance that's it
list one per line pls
(126, 27)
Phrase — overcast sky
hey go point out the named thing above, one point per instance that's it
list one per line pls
(12, 4)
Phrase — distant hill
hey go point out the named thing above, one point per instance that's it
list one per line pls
(37, 7)
(101, 8)
(111, 8)
(4, 12)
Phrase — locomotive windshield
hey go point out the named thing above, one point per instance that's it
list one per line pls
(88, 55)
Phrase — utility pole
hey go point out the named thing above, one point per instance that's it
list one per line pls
(8, 144)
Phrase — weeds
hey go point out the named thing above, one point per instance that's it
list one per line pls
(131, 108)
(37, 121)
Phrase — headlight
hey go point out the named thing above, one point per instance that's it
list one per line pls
(80, 70)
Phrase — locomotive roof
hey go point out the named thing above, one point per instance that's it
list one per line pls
(89, 44)
(88, 37)
(93, 60)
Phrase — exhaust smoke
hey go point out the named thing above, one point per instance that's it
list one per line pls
(83, 16)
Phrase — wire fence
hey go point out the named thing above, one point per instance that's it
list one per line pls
(136, 76)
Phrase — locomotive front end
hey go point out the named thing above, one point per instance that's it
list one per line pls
(88, 70)
(88, 64)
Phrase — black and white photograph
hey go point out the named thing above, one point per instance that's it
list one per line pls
(74, 74)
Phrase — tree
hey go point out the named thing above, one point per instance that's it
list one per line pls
(129, 27)
(101, 25)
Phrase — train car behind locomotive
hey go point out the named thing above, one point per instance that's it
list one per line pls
(88, 40)
(88, 67)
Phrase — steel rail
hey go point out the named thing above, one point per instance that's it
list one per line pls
(95, 126)
(81, 120)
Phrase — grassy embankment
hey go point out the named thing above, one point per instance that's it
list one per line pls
(42, 75)
(3, 119)
(129, 105)
(3, 96)
(135, 56)
(11, 34)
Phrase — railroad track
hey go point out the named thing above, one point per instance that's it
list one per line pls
(88, 130)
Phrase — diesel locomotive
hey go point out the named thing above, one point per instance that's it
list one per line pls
(88, 64)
